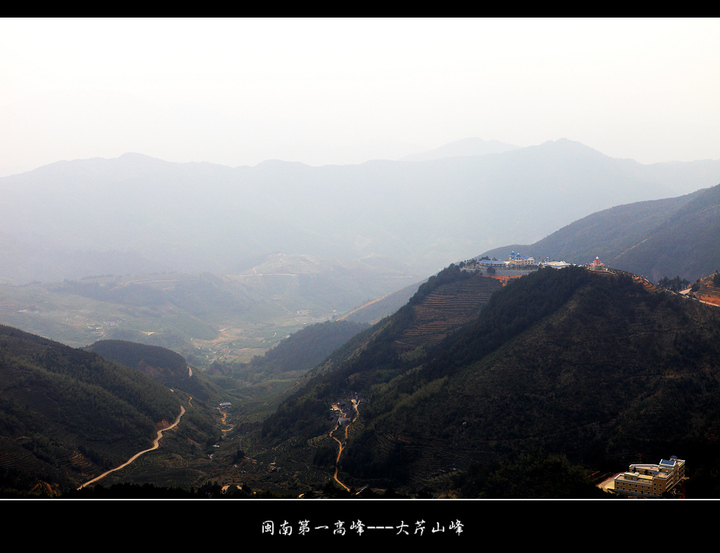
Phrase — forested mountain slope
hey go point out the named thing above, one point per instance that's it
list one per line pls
(661, 238)
(299, 352)
(419, 323)
(593, 366)
(66, 415)
(162, 365)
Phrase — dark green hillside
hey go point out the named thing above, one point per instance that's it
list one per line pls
(593, 367)
(656, 239)
(686, 244)
(161, 364)
(67, 415)
(299, 352)
(440, 306)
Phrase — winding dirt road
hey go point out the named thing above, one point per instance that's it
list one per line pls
(156, 444)
(340, 444)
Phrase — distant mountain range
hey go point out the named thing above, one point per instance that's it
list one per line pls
(136, 214)
(207, 316)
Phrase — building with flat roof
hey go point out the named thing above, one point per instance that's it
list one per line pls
(555, 264)
(485, 262)
(650, 480)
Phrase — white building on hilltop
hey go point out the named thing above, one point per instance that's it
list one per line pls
(485, 262)
(555, 264)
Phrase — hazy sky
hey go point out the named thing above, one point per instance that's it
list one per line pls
(321, 91)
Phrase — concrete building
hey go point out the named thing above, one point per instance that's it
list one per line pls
(650, 480)
(518, 260)
(491, 263)
(555, 264)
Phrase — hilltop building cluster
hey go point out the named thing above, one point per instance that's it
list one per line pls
(517, 261)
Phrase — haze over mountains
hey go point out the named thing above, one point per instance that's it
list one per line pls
(223, 263)
(136, 214)
(220, 264)
(466, 147)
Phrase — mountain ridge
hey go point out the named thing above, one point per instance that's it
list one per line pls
(668, 237)
(195, 216)
(567, 361)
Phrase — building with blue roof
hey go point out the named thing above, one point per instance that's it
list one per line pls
(520, 260)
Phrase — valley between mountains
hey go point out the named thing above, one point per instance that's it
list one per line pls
(571, 370)
(225, 369)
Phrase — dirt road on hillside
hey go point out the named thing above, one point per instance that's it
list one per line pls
(156, 444)
(340, 444)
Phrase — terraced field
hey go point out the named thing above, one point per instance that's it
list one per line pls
(707, 292)
(446, 308)
(642, 281)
